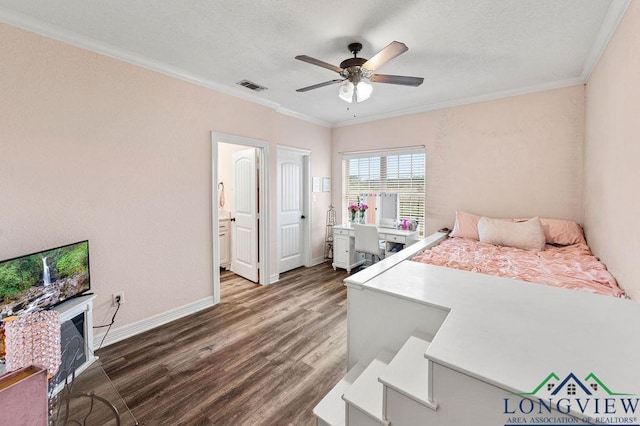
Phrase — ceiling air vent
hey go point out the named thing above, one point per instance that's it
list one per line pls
(251, 85)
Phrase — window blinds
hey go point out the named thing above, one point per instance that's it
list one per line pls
(400, 171)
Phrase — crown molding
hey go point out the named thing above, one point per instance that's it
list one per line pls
(87, 43)
(34, 25)
(611, 21)
(609, 25)
(304, 117)
(465, 101)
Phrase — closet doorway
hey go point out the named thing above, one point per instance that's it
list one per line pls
(239, 214)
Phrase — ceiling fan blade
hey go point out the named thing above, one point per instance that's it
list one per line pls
(397, 79)
(316, 86)
(318, 62)
(392, 50)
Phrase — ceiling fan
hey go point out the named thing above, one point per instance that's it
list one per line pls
(357, 73)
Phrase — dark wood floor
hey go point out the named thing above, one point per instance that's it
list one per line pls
(264, 356)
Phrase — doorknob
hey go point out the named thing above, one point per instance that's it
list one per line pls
(302, 217)
(233, 219)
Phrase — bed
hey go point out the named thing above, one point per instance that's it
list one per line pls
(544, 251)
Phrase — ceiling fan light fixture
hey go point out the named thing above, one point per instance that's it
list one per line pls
(345, 91)
(355, 93)
(357, 74)
(363, 91)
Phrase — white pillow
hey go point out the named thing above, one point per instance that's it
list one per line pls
(527, 235)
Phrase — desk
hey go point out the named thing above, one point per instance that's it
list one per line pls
(344, 253)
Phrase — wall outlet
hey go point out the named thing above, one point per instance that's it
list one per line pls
(115, 297)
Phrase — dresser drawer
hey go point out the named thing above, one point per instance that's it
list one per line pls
(393, 238)
(340, 231)
(223, 226)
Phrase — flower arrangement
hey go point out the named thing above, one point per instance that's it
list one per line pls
(355, 209)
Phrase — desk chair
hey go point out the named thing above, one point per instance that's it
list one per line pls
(367, 241)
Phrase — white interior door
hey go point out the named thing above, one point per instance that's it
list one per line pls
(291, 214)
(244, 254)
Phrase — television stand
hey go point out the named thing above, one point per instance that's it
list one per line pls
(76, 322)
(76, 328)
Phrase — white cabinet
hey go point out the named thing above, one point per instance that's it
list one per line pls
(344, 253)
(340, 250)
(224, 234)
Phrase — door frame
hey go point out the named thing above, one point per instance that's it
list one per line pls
(307, 191)
(263, 199)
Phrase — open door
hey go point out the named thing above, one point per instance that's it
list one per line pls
(244, 255)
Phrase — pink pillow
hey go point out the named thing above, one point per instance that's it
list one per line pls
(561, 232)
(523, 235)
(466, 225)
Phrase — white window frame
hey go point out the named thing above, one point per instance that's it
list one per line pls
(405, 177)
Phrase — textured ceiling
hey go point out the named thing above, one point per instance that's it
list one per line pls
(465, 49)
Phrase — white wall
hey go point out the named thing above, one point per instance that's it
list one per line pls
(513, 157)
(95, 148)
(612, 154)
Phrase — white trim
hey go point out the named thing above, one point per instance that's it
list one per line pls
(304, 117)
(265, 221)
(215, 217)
(301, 151)
(274, 278)
(352, 155)
(318, 260)
(135, 328)
(106, 49)
(308, 207)
(464, 101)
(609, 25)
(75, 39)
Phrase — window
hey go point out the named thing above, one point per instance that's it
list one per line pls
(400, 171)
(571, 389)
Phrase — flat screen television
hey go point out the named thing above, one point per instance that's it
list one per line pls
(43, 279)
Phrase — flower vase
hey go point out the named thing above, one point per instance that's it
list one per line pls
(353, 216)
(361, 216)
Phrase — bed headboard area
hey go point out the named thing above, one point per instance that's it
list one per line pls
(544, 251)
(556, 231)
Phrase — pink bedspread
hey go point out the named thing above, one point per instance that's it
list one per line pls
(572, 267)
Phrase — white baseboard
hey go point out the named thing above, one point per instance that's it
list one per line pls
(274, 278)
(129, 330)
(318, 260)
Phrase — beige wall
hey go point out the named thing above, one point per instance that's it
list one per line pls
(612, 154)
(94, 148)
(519, 156)
(91, 147)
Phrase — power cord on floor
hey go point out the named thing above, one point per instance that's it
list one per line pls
(113, 320)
